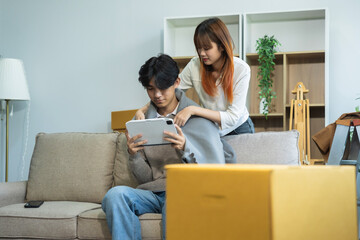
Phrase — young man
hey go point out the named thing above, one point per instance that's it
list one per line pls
(196, 142)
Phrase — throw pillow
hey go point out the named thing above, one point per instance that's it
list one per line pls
(72, 167)
(266, 147)
(122, 174)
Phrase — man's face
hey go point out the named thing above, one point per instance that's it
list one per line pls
(162, 98)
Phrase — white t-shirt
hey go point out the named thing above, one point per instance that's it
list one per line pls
(232, 115)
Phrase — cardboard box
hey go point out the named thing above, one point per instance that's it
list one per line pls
(261, 202)
(119, 119)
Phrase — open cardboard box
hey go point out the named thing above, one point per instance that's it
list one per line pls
(261, 202)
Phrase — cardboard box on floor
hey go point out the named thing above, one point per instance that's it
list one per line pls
(261, 202)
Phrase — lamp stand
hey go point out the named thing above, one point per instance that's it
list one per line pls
(7, 140)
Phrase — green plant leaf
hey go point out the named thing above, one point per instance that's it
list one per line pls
(266, 49)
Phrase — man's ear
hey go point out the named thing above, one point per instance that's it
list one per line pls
(177, 82)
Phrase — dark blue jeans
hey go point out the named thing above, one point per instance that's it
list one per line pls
(246, 127)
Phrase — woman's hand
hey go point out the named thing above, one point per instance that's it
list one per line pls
(139, 115)
(177, 140)
(134, 147)
(183, 116)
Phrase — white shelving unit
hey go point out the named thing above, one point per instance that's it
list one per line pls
(303, 57)
(297, 31)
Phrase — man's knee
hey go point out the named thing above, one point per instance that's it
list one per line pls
(119, 191)
(114, 195)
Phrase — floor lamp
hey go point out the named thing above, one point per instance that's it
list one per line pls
(13, 86)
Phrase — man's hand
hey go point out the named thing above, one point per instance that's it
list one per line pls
(132, 146)
(183, 116)
(139, 115)
(177, 140)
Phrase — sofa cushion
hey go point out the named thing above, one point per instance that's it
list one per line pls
(53, 220)
(92, 225)
(151, 226)
(266, 147)
(122, 175)
(72, 167)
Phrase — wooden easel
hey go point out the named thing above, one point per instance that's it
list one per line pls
(301, 109)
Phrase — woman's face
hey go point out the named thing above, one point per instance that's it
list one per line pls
(210, 55)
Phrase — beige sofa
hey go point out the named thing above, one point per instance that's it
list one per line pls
(73, 171)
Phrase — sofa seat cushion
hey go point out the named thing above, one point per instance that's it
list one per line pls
(72, 167)
(151, 226)
(266, 147)
(53, 220)
(92, 225)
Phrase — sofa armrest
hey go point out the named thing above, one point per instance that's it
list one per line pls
(12, 192)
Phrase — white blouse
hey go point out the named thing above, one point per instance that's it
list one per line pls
(232, 115)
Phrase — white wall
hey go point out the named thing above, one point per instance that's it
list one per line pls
(82, 59)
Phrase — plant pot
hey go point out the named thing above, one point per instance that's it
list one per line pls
(261, 106)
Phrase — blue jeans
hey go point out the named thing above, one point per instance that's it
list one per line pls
(122, 206)
(246, 127)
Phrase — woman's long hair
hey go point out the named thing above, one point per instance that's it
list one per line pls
(214, 30)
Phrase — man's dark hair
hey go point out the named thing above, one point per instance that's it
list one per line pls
(162, 68)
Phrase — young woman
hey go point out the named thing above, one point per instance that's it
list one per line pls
(220, 79)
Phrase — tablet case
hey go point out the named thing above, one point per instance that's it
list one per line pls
(151, 129)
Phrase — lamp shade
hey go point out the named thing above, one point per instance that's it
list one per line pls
(13, 85)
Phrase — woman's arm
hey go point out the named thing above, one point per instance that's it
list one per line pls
(184, 115)
(228, 117)
(140, 113)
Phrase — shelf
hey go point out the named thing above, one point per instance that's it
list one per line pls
(188, 58)
(306, 54)
(312, 105)
(183, 60)
(270, 115)
(285, 16)
(255, 55)
(302, 54)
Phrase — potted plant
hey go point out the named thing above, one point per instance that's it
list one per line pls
(266, 49)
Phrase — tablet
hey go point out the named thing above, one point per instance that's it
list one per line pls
(152, 130)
